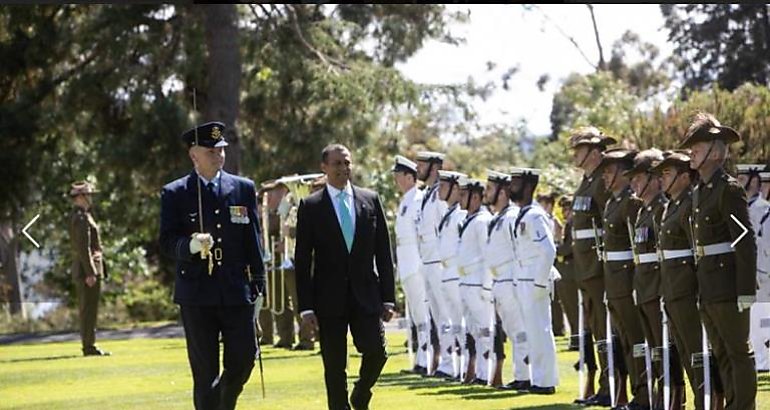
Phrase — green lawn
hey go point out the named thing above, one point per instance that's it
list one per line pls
(154, 374)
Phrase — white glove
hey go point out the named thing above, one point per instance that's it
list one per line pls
(745, 302)
(199, 241)
(555, 274)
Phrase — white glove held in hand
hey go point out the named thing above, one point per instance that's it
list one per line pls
(745, 302)
(199, 241)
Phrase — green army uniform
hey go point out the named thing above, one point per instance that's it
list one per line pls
(567, 287)
(587, 208)
(725, 273)
(86, 261)
(647, 282)
(619, 275)
(679, 284)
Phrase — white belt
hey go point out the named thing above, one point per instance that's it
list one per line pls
(676, 253)
(496, 268)
(614, 256)
(585, 233)
(714, 249)
(648, 257)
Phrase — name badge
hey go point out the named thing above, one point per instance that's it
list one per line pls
(239, 215)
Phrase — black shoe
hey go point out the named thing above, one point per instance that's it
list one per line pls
(541, 390)
(360, 400)
(282, 345)
(95, 351)
(633, 406)
(415, 370)
(519, 385)
(480, 382)
(442, 375)
(302, 347)
(601, 400)
(453, 379)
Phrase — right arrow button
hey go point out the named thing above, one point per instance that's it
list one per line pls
(745, 230)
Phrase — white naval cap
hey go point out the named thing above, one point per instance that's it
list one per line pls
(404, 164)
(430, 156)
(498, 177)
(745, 169)
(452, 176)
(297, 178)
(471, 183)
(520, 172)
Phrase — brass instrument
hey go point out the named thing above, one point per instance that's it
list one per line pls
(298, 186)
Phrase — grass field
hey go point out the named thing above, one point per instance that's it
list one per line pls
(154, 374)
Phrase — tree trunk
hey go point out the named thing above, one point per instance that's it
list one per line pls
(10, 280)
(224, 75)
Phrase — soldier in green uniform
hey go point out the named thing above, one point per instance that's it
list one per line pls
(567, 286)
(618, 258)
(87, 264)
(726, 266)
(646, 186)
(587, 145)
(679, 284)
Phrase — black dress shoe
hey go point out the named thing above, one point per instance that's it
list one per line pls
(541, 390)
(302, 347)
(442, 375)
(480, 382)
(596, 400)
(634, 406)
(415, 370)
(95, 351)
(519, 385)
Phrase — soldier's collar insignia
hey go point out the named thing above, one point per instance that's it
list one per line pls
(216, 133)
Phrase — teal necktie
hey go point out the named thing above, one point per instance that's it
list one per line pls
(346, 222)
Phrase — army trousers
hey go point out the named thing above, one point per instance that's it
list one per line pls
(88, 309)
(728, 333)
(683, 314)
(625, 320)
(203, 326)
(595, 312)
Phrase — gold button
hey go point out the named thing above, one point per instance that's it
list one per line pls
(219, 263)
(219, 239)
(216, 211)
(668, 231)
(697, 210)
(721, 265)
(707, 218)
(182, 271)
(612, 225)
(219, 226)
(684, 262)
(696, 225)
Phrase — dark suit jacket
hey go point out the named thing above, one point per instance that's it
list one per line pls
(335, 272)
(231, 218)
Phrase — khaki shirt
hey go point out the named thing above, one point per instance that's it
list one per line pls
(647, 275)
(678, 278)
(86, 245)
(619, 275)
(725, 276)
(588, 206)
(565, 262)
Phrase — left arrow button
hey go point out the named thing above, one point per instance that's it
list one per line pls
(24, 231)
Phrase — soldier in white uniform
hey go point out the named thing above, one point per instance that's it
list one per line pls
(408, 260)
(475, 281)
(749, 177)
(449, 235)
(763, 256)
(431, 212)
(499, 259)
(535, 252)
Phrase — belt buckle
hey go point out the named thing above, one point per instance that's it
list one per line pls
(700, 251)
(494, 271)
(660, 255)
(461, 271)
(637, 259)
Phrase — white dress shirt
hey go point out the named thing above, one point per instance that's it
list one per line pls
(348, 189)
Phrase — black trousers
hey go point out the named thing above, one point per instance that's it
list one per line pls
(369, 339)
(202, 327)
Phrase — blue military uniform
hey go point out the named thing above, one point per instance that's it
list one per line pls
(220, 301)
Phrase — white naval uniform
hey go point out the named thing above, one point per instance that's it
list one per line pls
(432, 210)
(535, 251)
(476, 286)
(409, 266)
(758, 208)
(499, 259)
(452, 330)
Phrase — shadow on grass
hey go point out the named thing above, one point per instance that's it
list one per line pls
(440, 387)
(41, 359)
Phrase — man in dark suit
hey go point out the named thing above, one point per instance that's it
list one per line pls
(220, 277)
(341, 232)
